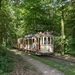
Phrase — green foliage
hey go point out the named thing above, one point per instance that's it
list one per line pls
(19, 58)
(69, 46)
(6, 60)
(57, 44)
(21, 17)
(26, 67)
(34, 69)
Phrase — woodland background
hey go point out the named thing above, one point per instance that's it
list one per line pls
(21, 17)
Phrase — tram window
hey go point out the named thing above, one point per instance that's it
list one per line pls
(30, 41)
(48, 40)
(51, 40)
(45, 41)
(42, 40)
(24, 41)
(36, 39)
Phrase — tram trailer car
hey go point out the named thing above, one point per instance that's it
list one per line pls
(17, 43)
(39, 44)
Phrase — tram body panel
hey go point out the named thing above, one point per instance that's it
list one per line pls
(46, 49)
(43, 48)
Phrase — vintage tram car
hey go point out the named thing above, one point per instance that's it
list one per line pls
(39, 43)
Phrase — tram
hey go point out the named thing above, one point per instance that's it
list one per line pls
(39, 43)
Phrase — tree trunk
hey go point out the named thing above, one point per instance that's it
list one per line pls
(0, 4)
(0, 27)
(62, 32)
(0, 35)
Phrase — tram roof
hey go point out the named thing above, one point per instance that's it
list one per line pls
(29, 35)
(40, 34)
(43, 35)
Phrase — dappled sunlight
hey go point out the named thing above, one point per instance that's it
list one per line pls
(45, 72)
(53, 72)
(29, 54)
(13, 50)
(71, 64)
(67, 57)
(72, 71)
(16, 51)
(31, 59)
(68, 69)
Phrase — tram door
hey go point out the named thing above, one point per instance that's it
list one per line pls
(43, 43)
(46, 44)
(38, 41)
(51, 45)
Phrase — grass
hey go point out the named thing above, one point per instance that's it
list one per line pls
(26, 67)
(66, 67)
(29, 66)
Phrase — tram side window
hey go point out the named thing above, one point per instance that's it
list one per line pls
(48, 40)
(24, 42)
(30, 41)
(45, 41)
(51, 40)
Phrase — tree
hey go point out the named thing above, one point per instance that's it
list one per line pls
(0, 26)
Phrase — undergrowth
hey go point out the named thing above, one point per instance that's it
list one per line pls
(6, 61)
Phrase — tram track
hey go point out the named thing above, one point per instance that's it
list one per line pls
(64, 58)
(54, 57)
(58, 62)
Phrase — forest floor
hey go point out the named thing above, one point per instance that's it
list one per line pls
(22, 67)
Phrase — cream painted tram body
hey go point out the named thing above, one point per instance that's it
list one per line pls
(40, 43)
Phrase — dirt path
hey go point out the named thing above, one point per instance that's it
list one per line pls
(22, 67)
(46, 70)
